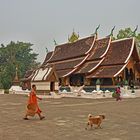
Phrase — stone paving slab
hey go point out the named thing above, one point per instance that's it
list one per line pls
(66, 119)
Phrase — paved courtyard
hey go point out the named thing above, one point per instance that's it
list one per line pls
(66, 119)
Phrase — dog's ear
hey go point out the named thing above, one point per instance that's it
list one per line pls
(89, 115)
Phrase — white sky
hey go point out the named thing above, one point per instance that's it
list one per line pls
(41, 21)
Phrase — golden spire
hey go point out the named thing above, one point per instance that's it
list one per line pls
(74, 37)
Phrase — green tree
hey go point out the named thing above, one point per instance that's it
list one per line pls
(14, 55)
(127, 33)
(124, 33)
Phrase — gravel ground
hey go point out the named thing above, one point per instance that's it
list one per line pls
(66, 119)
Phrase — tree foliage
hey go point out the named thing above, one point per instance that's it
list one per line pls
(127, 33)
(14, 55)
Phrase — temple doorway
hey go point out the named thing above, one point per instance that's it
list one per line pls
(126, 74)
(52, 86)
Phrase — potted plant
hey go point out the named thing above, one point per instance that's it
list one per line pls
(126, 84)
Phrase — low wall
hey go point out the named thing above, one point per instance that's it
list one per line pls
(1, 91)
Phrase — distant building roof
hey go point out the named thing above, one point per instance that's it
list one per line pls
(48, 56)
(44, 74)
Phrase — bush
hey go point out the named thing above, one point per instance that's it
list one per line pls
(125, 83)
(6, 91)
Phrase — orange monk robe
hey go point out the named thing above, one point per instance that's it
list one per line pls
(33, 100)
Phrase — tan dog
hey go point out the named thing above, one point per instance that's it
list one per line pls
(95, 120)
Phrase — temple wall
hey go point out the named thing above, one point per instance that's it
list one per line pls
(56, 86)
(131, 65)
(42, 85)
(67, 81)
(86, 81)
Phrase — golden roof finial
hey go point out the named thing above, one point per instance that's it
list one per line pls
(74, 37)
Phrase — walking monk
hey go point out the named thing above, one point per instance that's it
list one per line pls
(32, 107)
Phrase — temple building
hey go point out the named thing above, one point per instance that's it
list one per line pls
(44, 77)
(80, 62)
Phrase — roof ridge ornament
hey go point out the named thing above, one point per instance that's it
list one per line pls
(55, 43)
(111, 34)
(47, 50)
(134, 32)
(96, 31)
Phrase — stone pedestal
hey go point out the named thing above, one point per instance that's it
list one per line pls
(97, 88)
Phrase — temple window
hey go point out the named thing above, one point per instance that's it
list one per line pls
(76, 80)
(93, 81)
(106, 81)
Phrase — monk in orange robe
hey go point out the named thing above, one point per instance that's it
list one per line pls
(32, 107)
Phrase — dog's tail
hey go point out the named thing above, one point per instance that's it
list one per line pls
(102, 116)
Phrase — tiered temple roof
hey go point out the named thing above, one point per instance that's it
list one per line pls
(45, 70)
(31, 73)
(116, 59)
(96, 56)
(67, 57)
(48, 57)
(72, 50)
(28, 75)
(119, 52)
(90, 56)
(100, 48)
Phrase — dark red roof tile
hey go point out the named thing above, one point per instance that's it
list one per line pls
(61, 73)
(72, 50)
(106, 71)
(28, 75)
(68, 64)
(118, 52)
(135, 54)
(48, 56)
(87, 67)
(100, 48)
